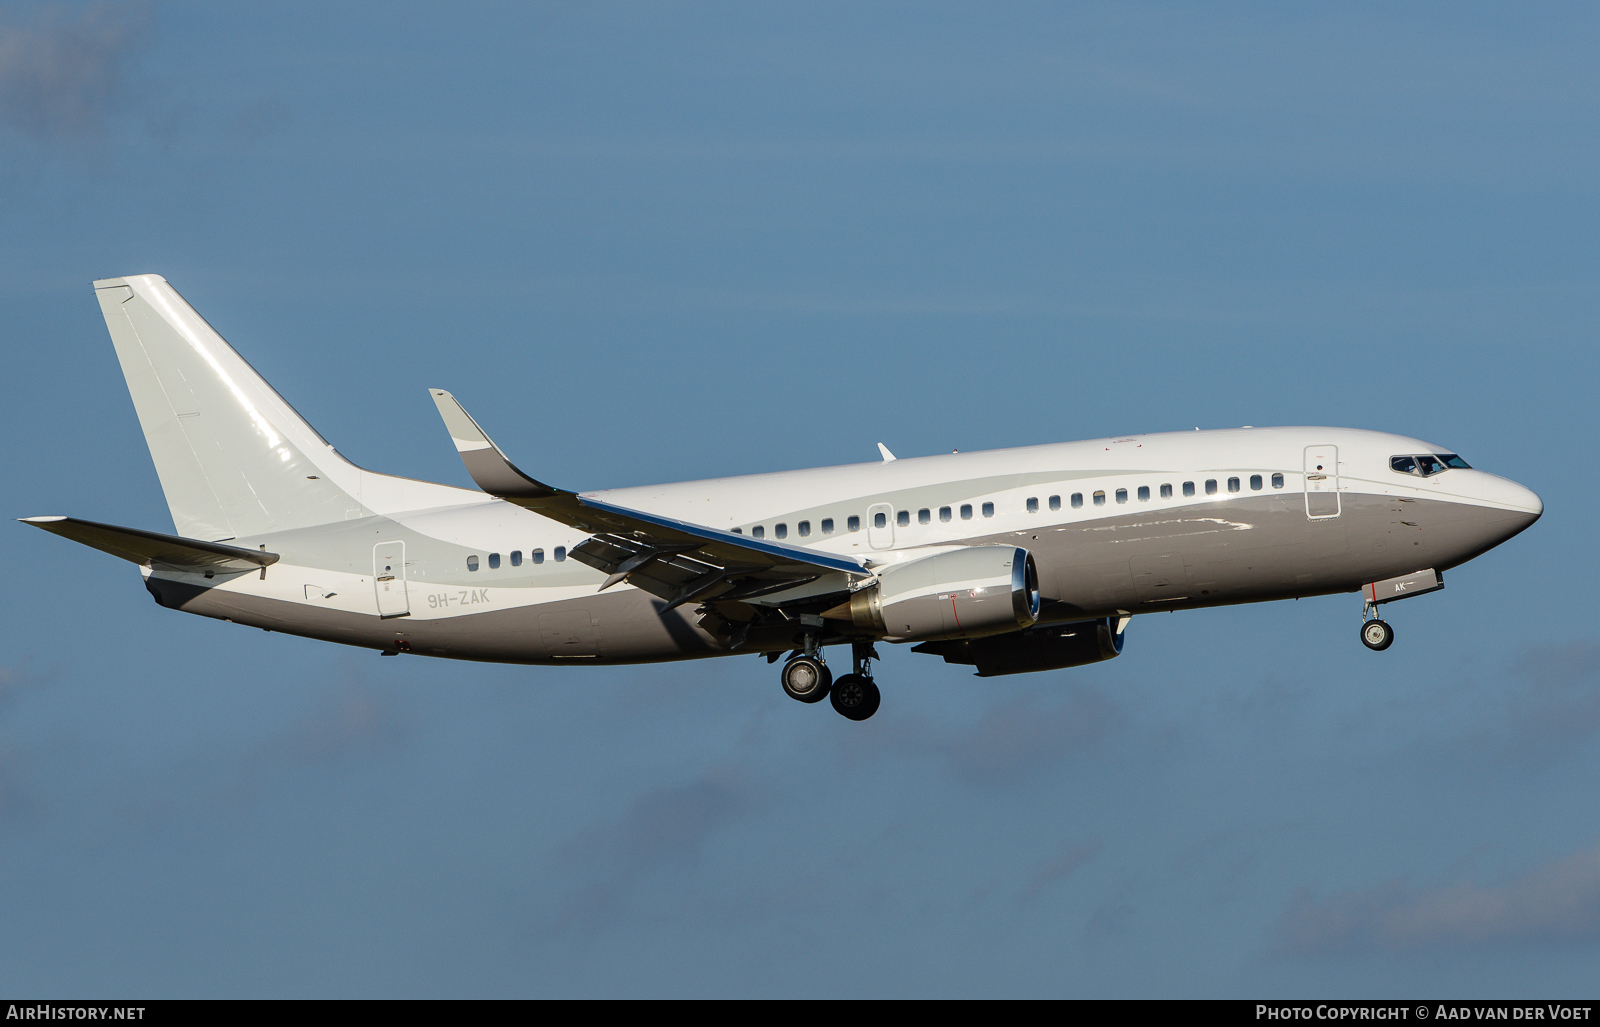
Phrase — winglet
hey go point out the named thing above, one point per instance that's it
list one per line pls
(887, 456)
(488, 466)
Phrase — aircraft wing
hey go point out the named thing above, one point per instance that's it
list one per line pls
(671, 559)
(152, 548)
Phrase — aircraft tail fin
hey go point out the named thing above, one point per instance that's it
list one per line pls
(234, 458)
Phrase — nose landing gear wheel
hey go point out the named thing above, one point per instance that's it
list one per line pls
(1376, 635)
(855, 697)
(806, 679)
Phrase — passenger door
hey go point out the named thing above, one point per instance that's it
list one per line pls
(1322, 482)
(389, 578)
(880, 536)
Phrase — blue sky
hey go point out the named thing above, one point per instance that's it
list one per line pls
(658, 242)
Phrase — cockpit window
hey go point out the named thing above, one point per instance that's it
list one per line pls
(1427, 464)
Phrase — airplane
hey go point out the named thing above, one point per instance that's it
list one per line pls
(1009, 561)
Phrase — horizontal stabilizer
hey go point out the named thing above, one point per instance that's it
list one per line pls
(153, 549)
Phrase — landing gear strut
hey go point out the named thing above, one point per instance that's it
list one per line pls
(1376, 635)
(855, 696)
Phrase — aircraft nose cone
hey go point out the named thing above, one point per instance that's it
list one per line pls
(1518, 506)
(1522, 499)
(1507, 494)
(1532, 503)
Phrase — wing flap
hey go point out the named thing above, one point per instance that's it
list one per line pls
(152, 548)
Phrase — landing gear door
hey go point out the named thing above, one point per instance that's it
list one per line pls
(389, 577)
(1322, 482)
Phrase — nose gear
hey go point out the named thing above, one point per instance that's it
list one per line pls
(1377, 635)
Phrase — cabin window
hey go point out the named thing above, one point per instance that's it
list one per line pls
(560, 553)
(1144, 493)
(516, 558)
(827, 525)
(804, 528)
(494, 561)
(1033, 504)
(1122, 495)
(1211, 486)
(1077, 500)
(924, 516)
(988, 509)
(1233, 484)
(537, 555)
(1166, 492)
(759, 531)
(1255, 483)
(944, 513)
(880, 520)
(1055, 502)
(1188, 489)
(966, 511)
(738, 531)
(1099, 499)
(472, 563)
(854, 523)
(780, 531)
(903, 518)
(1277, 481)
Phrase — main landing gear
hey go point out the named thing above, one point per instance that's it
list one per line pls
(806, 677)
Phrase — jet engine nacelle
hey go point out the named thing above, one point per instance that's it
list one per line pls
(966, 593)
(1046, 648)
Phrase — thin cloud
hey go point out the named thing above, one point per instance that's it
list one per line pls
(62, 70)
(348, 726)
(1020, 738)
(1558, 903)
(1014, 742)
(1064, 865)
(664, 827)
(1552, 708)
(17, 681)
(20, 766)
